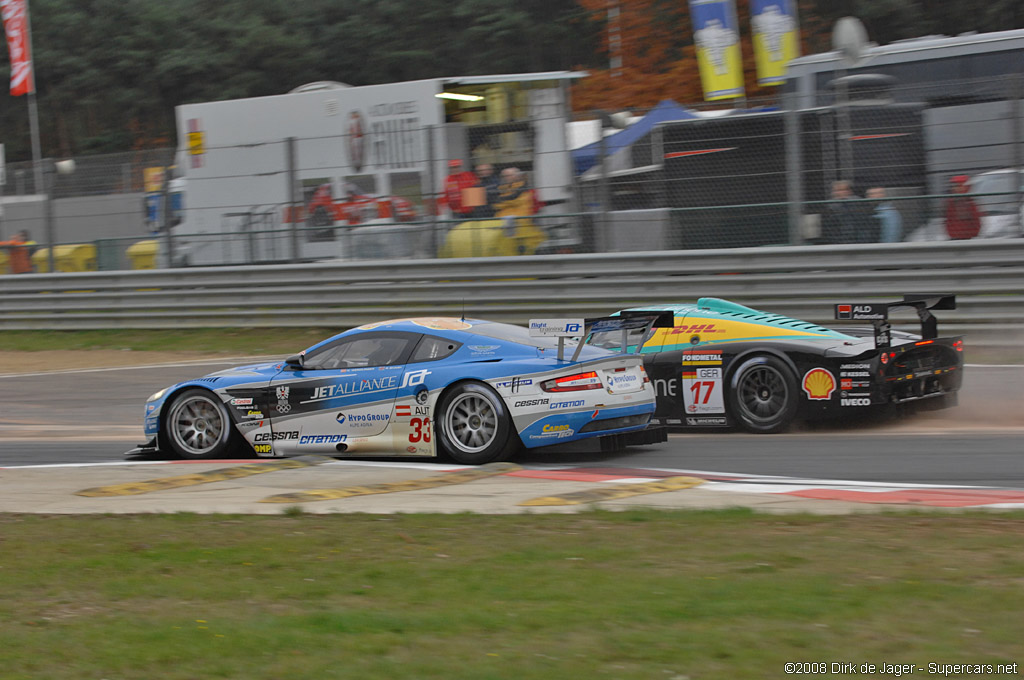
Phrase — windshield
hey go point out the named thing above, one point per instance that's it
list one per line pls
(612, 340)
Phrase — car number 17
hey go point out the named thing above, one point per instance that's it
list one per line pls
(702, 390)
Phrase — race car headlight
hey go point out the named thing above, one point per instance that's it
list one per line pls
(573, 383)
(157, 395)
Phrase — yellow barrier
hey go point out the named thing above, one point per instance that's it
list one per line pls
(78, 257)
(492, 238)
(4, 268)
(143, 254)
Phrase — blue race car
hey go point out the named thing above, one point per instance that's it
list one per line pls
(471, 390)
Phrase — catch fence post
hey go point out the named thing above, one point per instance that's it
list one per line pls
(165, 215)
(1017, 125)
(794, 169)
(290, 160)
(431, 197)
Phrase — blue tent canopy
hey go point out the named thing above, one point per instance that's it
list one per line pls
(587, 156)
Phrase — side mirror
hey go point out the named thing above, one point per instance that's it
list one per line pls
(295, 361)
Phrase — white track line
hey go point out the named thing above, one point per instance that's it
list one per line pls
(443, 467)
(197, 362)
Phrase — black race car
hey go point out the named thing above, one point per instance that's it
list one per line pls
(726, 365)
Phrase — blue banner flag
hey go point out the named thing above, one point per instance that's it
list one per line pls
(776, 36)
(717, 37)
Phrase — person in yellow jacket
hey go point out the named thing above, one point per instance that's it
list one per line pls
(515, 203)
(19, 252)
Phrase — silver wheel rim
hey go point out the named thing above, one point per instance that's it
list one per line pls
(196, 425)
(763, 394)
(471, 423)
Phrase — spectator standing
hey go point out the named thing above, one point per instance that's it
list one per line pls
(455, 184)
(887, 217)
(516, 202)
(963, 220)
(19, 252)
(514, 198)
(845, 220)
(487, 180)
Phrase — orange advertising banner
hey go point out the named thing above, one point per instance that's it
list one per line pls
(15, 16)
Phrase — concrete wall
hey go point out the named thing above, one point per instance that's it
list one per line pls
(77, 220)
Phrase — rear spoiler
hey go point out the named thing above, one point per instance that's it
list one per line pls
(878, 314)
(582, 328)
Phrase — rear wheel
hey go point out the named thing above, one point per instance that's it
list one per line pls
(475, 427)
(763, 395)
(198, 426)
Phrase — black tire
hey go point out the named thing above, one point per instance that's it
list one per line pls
(473, 425)
(763, 395)
(197, 426)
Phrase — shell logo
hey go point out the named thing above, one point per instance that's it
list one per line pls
(819, 384)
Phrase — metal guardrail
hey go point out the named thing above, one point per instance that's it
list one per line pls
(804, 282)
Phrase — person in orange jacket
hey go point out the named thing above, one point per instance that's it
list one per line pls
(19, 252)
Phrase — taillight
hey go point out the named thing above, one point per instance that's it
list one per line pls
(573, 383)
(924, 342)
(643, 372)
(958, 345)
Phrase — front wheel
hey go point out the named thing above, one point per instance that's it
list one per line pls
(198, 426)
(475, 427)
(763, 395)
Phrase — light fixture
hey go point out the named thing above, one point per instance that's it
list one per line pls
(460, 97)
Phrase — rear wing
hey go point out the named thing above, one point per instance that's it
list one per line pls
(582, 328)
(878, 314)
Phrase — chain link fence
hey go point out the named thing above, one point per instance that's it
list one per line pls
(871, 161)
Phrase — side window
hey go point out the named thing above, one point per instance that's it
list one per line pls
(432, 348)
(362, 351)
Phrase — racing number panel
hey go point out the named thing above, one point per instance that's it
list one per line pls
(690, 387)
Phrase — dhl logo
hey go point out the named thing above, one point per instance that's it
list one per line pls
(719, 331)
(697, 328)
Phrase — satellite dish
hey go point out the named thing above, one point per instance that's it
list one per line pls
(620, 120)
(320, 85)
(849, 39)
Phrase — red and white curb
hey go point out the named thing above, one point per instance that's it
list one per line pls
(930, 495)
(817, 489)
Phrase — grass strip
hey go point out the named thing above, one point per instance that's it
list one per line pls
(636, 594)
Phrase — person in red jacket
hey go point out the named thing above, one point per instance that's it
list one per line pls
(963, 220)
(454, 195)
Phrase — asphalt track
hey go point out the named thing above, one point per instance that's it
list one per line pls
(95, 415)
